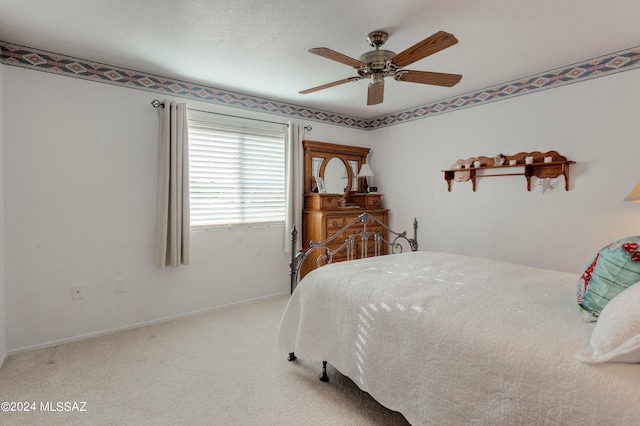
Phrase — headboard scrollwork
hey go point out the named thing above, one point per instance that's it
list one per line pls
(349, 240)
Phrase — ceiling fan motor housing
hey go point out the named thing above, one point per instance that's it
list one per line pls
(377, 60)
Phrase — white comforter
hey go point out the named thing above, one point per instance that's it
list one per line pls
(447, 339)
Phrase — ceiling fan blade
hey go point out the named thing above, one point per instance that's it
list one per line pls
(338, 57)
(326, 86)
(427, 77)
(433, 44)
(375, 94)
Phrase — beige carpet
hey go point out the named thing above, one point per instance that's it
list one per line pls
(218, 368)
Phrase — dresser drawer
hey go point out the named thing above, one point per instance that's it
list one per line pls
(335, 223)
(321, 201)
(367, 201)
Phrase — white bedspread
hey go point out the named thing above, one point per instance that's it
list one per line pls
(451, 340)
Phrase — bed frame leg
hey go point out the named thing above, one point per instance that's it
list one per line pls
(324, 377)
(292, 356)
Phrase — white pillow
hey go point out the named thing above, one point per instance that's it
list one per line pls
(616, 336)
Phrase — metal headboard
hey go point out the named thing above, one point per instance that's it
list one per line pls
(325, 257)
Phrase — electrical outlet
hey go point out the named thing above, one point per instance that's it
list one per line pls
(119, 287)
(77, 291)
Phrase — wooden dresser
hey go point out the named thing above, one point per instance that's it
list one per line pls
(326, 189)
(322, 217)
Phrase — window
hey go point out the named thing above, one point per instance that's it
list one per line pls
(236, 173)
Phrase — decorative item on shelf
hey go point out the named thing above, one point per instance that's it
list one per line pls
(345, 177)
(320, 184)
(365, 172)
(373, 189)
(545, 184)
(498, 160)
(634, 195)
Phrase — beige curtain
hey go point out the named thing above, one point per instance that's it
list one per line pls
(174, 227)
(293, 184)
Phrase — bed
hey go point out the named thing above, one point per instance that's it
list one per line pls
(450, 339)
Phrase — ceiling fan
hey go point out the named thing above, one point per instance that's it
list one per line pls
(379, 63)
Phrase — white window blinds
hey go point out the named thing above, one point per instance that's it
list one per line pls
(236, 175)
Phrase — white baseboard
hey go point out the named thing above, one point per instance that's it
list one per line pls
(132, 326)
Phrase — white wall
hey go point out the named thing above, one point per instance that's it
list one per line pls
(3, 317)
(593, 123)
(80, 198)
(80, 208)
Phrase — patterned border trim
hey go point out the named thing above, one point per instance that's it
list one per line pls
(601, 66)
(26, 57)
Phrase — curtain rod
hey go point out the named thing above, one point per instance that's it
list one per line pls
(157, 104)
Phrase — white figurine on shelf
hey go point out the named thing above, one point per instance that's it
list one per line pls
(545, 184)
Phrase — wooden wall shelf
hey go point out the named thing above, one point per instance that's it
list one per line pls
(464, 170)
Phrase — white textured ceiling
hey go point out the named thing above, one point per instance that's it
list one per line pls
(260, 47)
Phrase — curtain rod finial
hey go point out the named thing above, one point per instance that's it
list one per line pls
(156, 103)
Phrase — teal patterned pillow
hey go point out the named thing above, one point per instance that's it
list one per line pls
(610, 271)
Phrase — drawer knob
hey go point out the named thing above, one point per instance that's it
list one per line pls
(329, 199)
(375, 201)
(335, 223)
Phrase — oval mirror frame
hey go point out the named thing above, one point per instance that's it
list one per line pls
(317, 159)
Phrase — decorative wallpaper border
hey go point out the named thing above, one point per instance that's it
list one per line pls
(26, 57)
(601, 66)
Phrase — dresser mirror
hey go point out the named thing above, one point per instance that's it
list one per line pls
(336, 165)
(335, 176)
